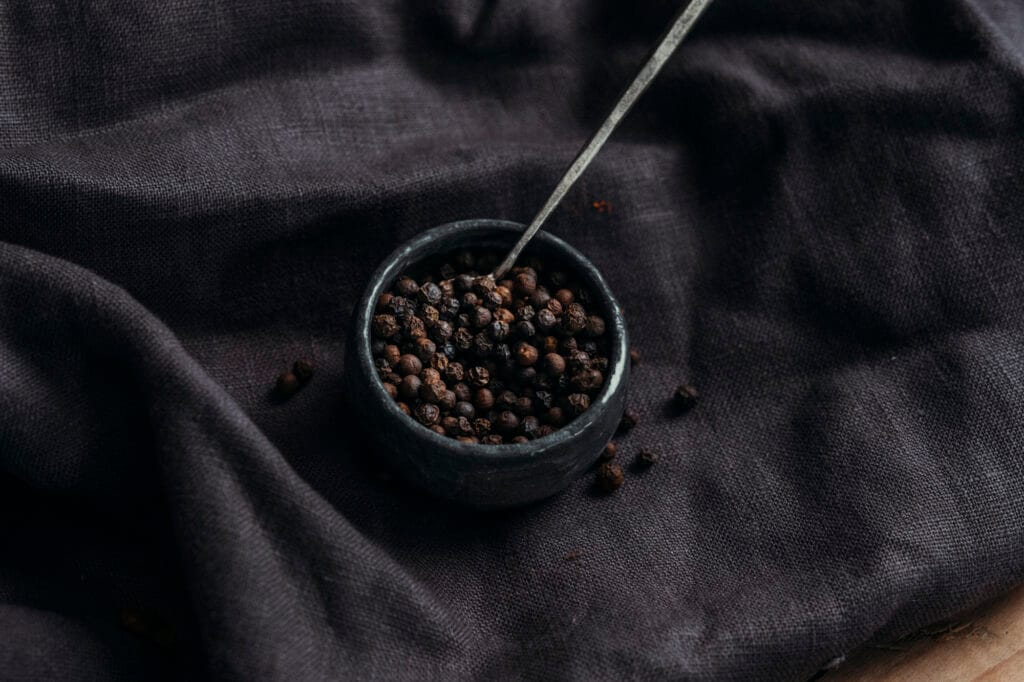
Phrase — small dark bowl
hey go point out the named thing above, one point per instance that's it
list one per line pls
(486, 476)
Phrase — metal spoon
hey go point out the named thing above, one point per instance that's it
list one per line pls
(669, 42)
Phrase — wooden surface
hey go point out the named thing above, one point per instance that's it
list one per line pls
(984, 644)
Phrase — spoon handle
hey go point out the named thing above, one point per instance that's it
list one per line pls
(675, 34)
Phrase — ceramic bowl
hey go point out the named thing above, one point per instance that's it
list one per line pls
(486, 476)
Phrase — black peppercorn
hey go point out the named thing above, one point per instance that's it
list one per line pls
(481, 427)
(429, 315)
(578, 361)
(483, 286)
(525, 330)
(520, 439)
(634, 357)
(427, 414)
(439, 362)
(568, 345)
(391, 389)
(450, 425)
(555, 416)
(685, 397)
(409, 364)
(432, 392)
(646, 458)
(430, 375)
(478, 376)
(503, 294)
(554, 364)
(628, 421)
(506, 423)
(483, 399)
(467, 439)
(463, 408)
(526, 375)
(483, 345)
(464, 426)
(453, 372)
(425, 349)
(463, 338)
(595, 326)
(502, 355)
(462, 392)
(525, 283)
(588, 381)
(539, 298)
(413, 327)
(499, 330)
(545, 430)
(463, 282)
(545, 320)
(523, 405)
(287, 385)
(492, 300)
(554, 306)
(609, 452)
(492, 439)
(610, 477)
(526, 355)
(574, 319)
(480, 317)
(564, 297)
(392, 354)
(578, 403)
(381, 365)
(409, 387)
(383, 301)
(506, 400)
(431, 293)
(529, 426)
(525, 312)
(384, 326)
(406, 286)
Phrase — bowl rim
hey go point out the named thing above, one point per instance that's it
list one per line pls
(508, 453)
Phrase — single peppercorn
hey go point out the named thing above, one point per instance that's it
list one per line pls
(520, 439)
(610, 477)
(545, 430)
(425, 349)
(480, 317)
(462, 392)
(526, 355)
(609, 452)
(303, 370)
(506, 423)
(526, 375)
(529, 426)
(574, 319)
(588, 381)
(467, 439)
(427, 414)
(525, 330)
(409, 387)
(478, 376)
(685, 397)
(634, 357)
(463, 408)
(287, 385)
(545, 320)
(483, 344)
(504, 315)
(481, 427)
(429, 315)
(554, 364)
(492, 439)
(383, 301)
(555, 416)
(499, 330)
(463, 338)
(413, 328)
(646, 458)
(628, 421)
(554, 306)
(564, 297)
(384, 326)
(595, 326)
(409, 364)
(578, 403)
(438, 429)
(430, 293)
(392, 354)
(503, 293)
(483, 399)
(539, 298)
(525, 283)
(439, 362)
(432, 392)
(430, 376)
(406, 286)
(391, 389)
(483, 286)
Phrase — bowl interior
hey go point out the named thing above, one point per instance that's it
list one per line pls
(499, 235)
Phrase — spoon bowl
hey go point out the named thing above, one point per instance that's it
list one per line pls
(486, 476)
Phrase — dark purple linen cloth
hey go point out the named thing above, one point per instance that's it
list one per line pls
(815, 215)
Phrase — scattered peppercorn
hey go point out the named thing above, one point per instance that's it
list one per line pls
(287, 385)
(629, 419)
(646, 458)
(303, 370)
(609, 452)
(610, 477)
(487, 361)
(685, 397)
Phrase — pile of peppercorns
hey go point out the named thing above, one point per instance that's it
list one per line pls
(489, 362)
